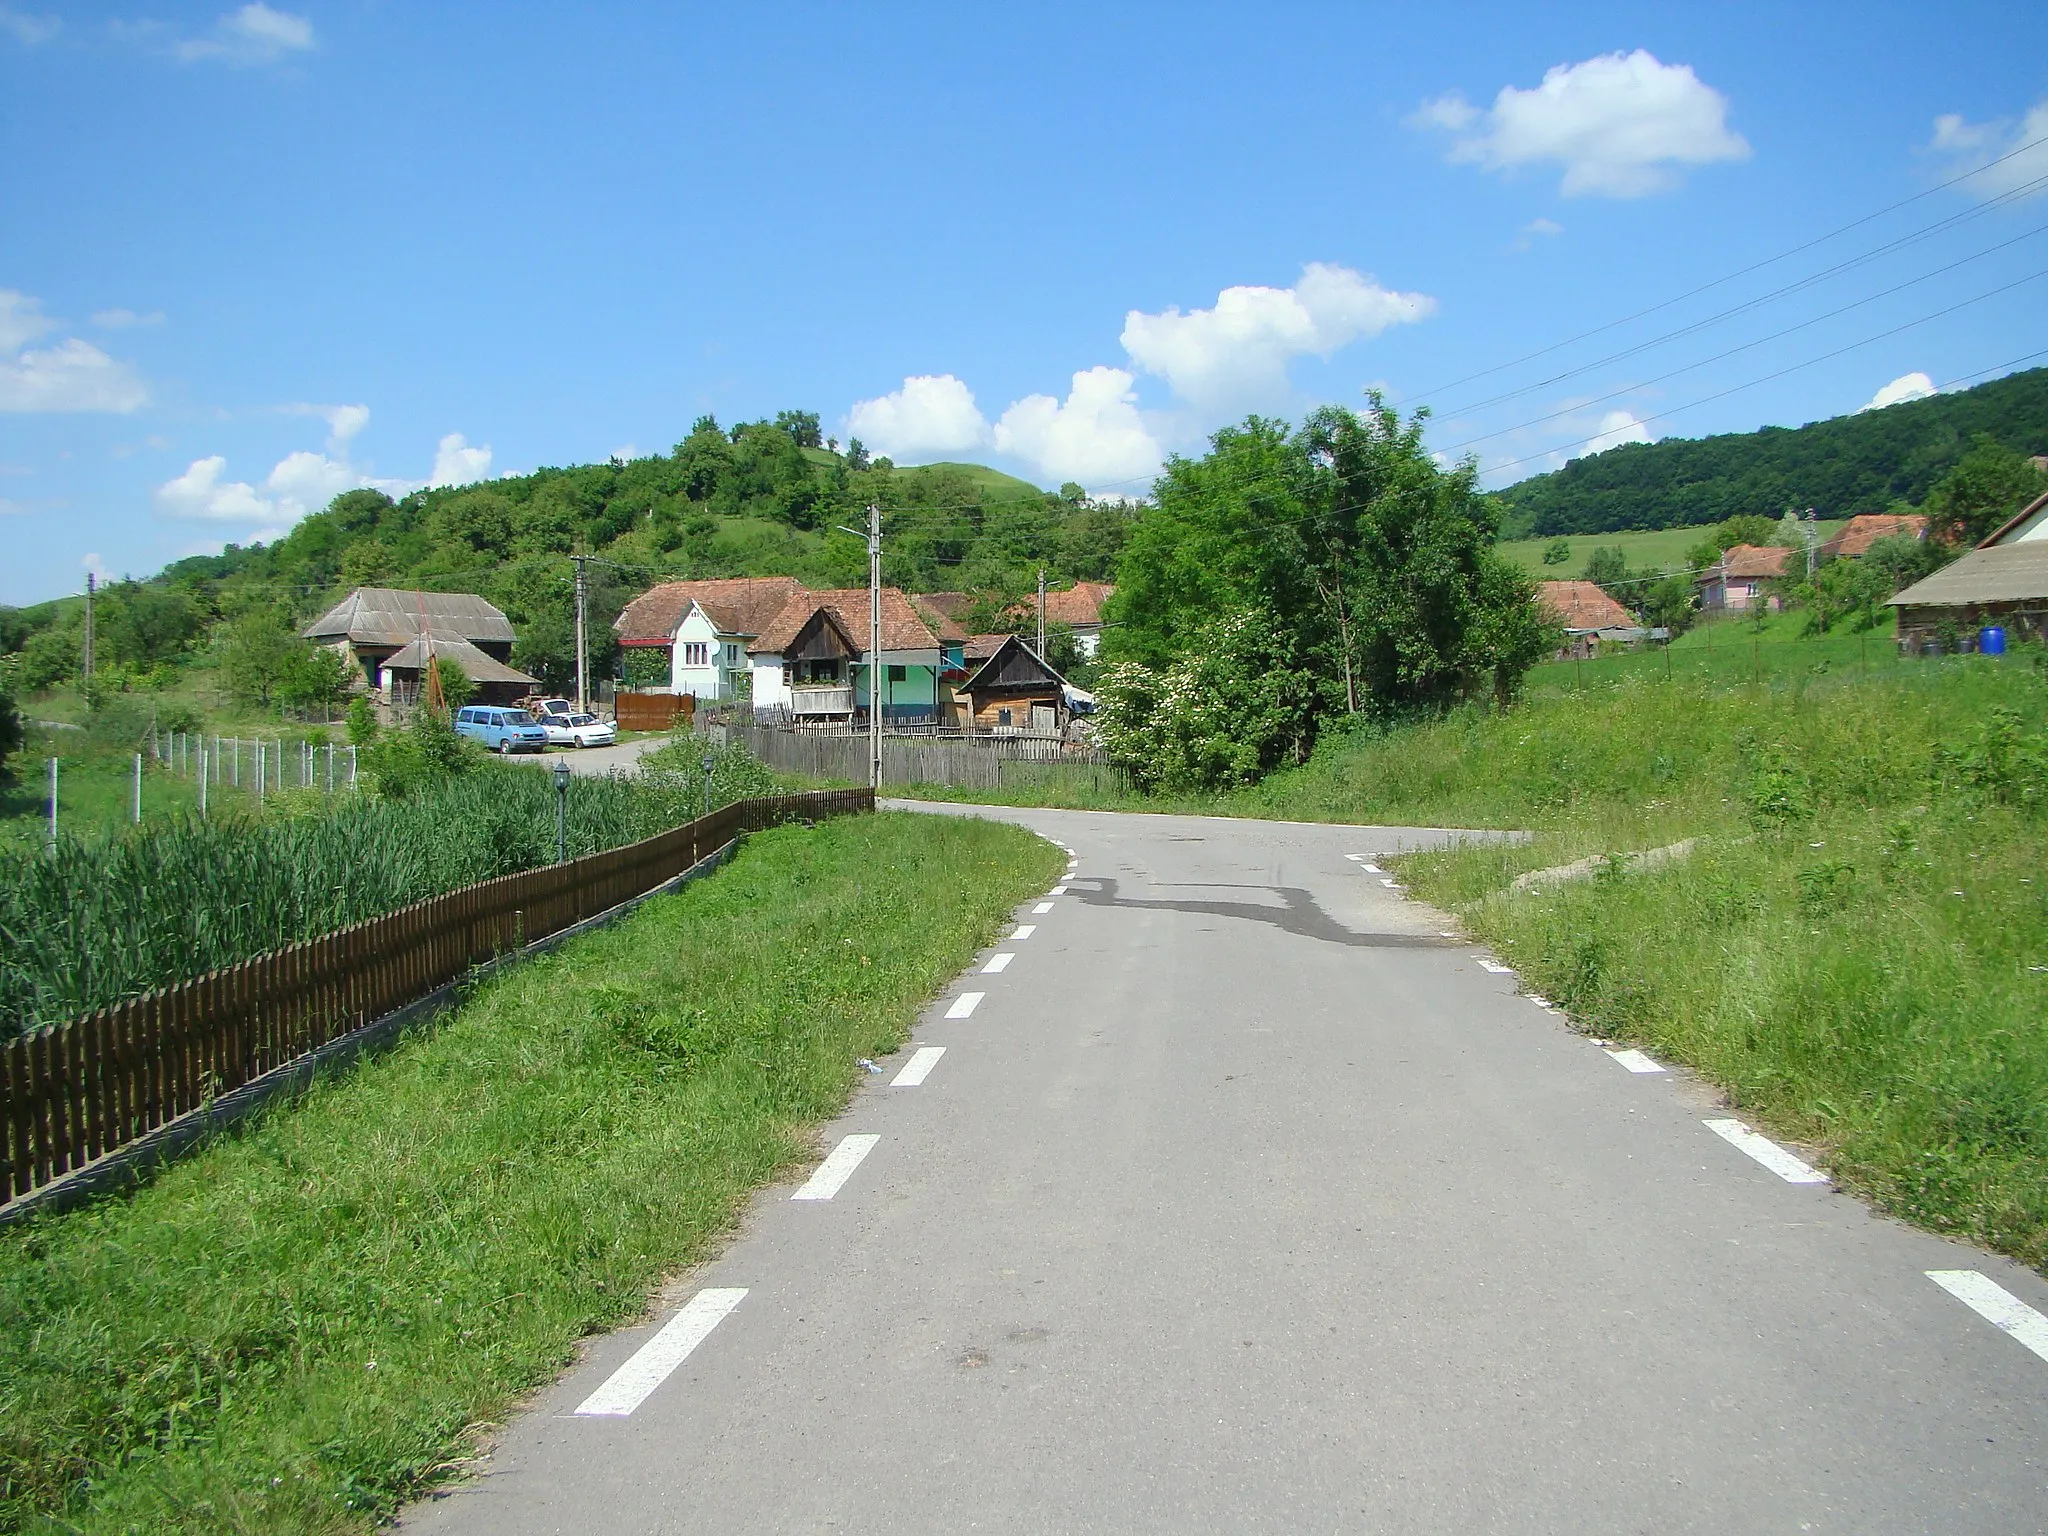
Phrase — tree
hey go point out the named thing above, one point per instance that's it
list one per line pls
(12, 733)
(256, 653)
(1557, 552)
(313, 676)
(456, 688)
(802, 427)
(856, 454)
(1607, 569)
(1988, 485)
(362, 722)
(49, 657)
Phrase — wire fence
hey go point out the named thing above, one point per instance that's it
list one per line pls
(83, 1090)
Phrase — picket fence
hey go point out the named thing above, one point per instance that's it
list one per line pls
(84, 1089)
(1014, 762)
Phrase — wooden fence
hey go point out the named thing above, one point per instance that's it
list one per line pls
(86, 1088)
(1004, 762)
(651, 711)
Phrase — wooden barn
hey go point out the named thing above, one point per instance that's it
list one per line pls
(1016, 691)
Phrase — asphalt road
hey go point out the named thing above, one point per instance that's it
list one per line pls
(1244, 1201)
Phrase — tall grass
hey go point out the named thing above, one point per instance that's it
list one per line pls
(95, 920)
(302, 1325)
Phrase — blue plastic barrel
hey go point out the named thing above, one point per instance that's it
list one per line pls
(1991, 640)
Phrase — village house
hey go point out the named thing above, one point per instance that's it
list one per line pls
(388, 636)
(1079, 607)
(1853, 539)
(1016, 690)
(1740, 579)
(706, 629)
(2002, 583)
(1588, 615)
(812, 662)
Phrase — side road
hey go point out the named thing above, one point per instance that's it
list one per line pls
(1231, 1192)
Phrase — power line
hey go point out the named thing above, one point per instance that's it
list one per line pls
(1758, 342)
(1732, 276)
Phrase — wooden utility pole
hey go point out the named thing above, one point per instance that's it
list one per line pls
(875, 651)
(85, 661)
(582, 682)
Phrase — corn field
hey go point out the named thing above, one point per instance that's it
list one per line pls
(87, 922)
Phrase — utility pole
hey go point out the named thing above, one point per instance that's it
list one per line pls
(1041, 613)
(85, 661)
(582, 682)
(875, 653)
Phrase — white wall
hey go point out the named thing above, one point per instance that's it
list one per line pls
(769, 692)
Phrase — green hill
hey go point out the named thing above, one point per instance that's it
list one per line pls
(1840, 467)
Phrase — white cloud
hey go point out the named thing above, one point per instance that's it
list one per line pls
(1907, 386)
(125, 319)
(74, 375)
(201, 493)
(95, 564)
(1543, 227)
(933, 416)
(255, 34)
(26, 29)
(1979, 144)
(1095, 436)
(21, 320)
(456, 463)
(305, 482)
(343, 421)
(1617, 123)
(1616, 428)
(1237, 353)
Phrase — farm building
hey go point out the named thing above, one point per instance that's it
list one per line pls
(379, 629)
(1015, 690)
(2002, 582)
(1588, 614)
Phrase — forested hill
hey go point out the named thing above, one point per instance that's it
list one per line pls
(1851, 464)
(756, 499)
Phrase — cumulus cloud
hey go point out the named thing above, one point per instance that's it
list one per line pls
(74, 375)
(933, 416)
(125, 319)
(1095, 436)
(343, 421)
(1907, 386)
(1617, 124)
(254, 35)
(21, 320)
(1616, 428)
(27, 29)
(200, 492)
(456, 463)
(1237, 353)
(1970, 145)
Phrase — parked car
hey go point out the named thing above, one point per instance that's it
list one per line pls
(501, 728)
(579, 731)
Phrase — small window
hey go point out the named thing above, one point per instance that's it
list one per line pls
(1003, 717)
(695, 653)
(788, 674)
(898, 674)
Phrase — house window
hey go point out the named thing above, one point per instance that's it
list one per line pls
(695, 653)
(898, 674)
(788, 674)
(1002, 717)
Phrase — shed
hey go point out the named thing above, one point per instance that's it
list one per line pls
(1589, 615)
(2003, 582)
(1016, 690)
(496, 682)
(375, 623)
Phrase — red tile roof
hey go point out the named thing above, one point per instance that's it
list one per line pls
(739, 605)
(903, 628)
(1075, 606)
(1854, 538)
(1583, 605)
(1748, 562)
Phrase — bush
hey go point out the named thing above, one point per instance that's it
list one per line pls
(12, 733)
(425, 753)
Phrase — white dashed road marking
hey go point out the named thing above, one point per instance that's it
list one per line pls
(997, 964)
(832, 1174)
(1024, 931)
(1058, 890)
(919, 1067)
(1767, 1152)
(1996, 1305)
(1496, 968)
(1042, 908)
(1635, 1061)
(965, 1004)
(629, 1386)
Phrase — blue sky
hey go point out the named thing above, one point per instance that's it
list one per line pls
(252, 255)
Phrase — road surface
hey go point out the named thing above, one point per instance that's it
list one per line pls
(1244, 1201)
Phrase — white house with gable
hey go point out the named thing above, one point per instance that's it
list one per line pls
(706, 627)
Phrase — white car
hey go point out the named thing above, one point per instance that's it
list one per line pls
(578, 731)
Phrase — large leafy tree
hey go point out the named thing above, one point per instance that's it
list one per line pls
(1988, 485)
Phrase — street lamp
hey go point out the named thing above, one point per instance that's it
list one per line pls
(561, 810)
(710, 762)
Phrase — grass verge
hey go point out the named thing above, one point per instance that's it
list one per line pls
(307, 1323)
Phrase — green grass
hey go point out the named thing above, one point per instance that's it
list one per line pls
(95, 792)
(993, 484)
(1656, 549)
(306, 1324)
